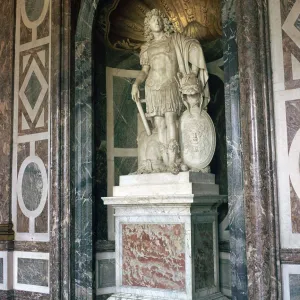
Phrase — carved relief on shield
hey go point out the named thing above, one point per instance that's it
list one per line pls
(197, 139)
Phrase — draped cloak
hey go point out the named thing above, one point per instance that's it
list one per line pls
(189, 51)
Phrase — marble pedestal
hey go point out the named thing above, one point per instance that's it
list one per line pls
(166, 236)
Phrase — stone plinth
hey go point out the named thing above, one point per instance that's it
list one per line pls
(166, 236)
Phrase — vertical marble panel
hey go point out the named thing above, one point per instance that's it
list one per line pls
(1, 270)
(105, 268)
(257, 139)
(153, 255)
(7, 21)
(225, 276)
(124, 166)
(234, 153)
(125, 127)
(204, 259)
(106, 273)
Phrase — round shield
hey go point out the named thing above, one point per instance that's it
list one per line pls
(197, 139)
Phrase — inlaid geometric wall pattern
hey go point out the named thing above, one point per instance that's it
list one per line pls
(285, 45)
(30, 203)
(290, 17)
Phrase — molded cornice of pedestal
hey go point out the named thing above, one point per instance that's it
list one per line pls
(166, 200)
(123, 296)
(166, 184)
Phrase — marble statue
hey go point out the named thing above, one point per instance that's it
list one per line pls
(166, 59)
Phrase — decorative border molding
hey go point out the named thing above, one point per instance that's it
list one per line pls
(28, 287)
(290, 256)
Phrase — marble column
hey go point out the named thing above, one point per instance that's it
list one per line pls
(82, 144)
(234, 154)
(6, 112)
(61, 255)
(258, 150)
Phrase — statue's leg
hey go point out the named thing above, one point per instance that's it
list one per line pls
(173, 146)
(172, 130)
(160, 124)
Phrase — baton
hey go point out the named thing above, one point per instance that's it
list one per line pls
(142, 114)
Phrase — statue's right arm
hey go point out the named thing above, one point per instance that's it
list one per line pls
(142, 76)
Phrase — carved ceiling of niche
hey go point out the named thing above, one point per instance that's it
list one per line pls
(200, 19)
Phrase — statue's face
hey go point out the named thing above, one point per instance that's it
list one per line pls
(156, 24)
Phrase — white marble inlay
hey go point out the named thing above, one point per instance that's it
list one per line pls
(276, 45)
(288, 239)
(113, 152)
(295, 68)
(286, 271)
(42, 57)
(34, 68)
(22, 63)
(7, 270)
(289, 24)
(286, 162)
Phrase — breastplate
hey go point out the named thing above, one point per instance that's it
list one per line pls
(163, 64)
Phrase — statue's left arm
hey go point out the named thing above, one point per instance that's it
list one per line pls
(198, 67)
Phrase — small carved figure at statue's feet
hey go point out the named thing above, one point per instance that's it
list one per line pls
(164, 153)
(184, 167)
(174, 162)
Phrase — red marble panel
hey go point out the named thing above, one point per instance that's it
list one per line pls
(153, 256)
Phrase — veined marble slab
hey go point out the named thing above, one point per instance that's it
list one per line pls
(166, 189)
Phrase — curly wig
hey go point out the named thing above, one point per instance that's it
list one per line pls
(168, 26)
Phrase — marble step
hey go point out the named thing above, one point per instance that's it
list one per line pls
(166, 189)
(165, 178)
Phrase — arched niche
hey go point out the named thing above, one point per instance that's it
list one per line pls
(84, 168)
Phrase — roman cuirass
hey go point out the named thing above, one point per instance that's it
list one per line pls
(163, 64)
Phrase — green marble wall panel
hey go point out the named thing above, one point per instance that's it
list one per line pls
(123, 166)
(204, 256)
(33, 271)
(294, 282)
(1, 271)
(125, 114)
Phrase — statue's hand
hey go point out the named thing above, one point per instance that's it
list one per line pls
(135, 93)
